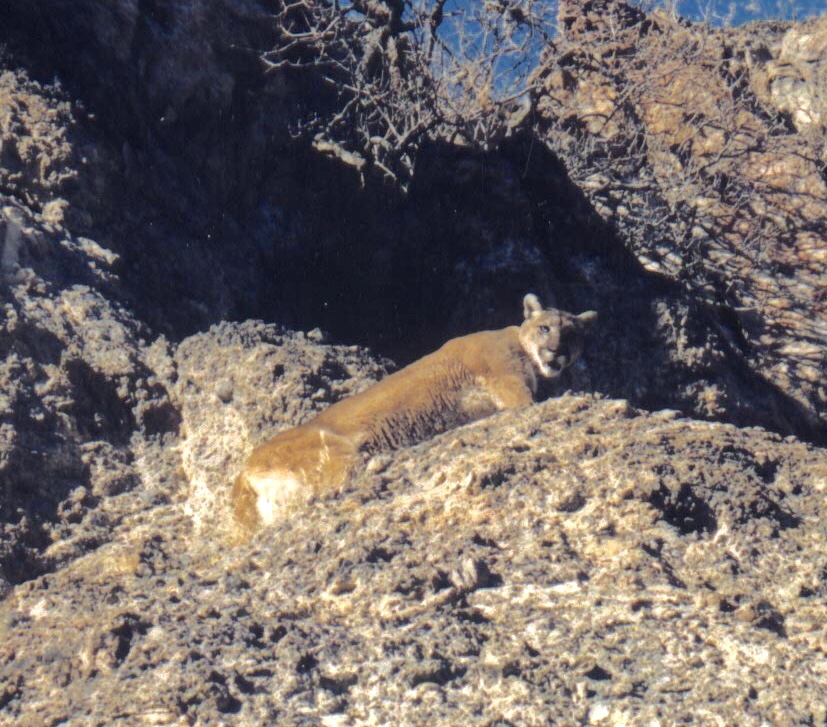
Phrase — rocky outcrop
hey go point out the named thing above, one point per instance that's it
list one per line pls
(661, 125)
(80, 401)
(576, 561)
(788, 71)
(588, 559)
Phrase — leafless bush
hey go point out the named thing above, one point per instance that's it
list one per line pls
(669, 140)
(405, 72)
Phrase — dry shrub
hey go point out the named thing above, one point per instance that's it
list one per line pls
(401, 73)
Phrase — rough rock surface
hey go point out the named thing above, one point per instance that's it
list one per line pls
(582, 561)
(37, 160)
(662, 126)
(788, 70)
(577, 562)
(80, 403)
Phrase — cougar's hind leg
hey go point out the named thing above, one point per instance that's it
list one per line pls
(288, 470)
(274, 478)
(245, 505)
(338, 458)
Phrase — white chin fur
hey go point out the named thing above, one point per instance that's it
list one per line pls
(550, 372)
(541, 364)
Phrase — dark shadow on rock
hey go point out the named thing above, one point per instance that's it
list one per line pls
(229, 219)
(685, 510)
(99, 411)
(655, 343)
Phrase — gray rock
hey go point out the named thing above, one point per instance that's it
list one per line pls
(578, 559)
(582, 560)
(79, 400)
(717, 194)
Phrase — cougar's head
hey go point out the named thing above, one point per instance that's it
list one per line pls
(553, 339)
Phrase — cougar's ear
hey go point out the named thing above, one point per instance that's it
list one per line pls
(585, 320)
(531, 306)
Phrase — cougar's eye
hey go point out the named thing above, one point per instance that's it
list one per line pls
(544, 329)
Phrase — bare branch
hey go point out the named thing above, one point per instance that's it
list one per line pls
(403, 72)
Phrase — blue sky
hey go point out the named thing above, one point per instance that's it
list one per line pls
(509, 68)
(736, 12)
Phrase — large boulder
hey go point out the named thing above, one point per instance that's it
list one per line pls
(576, 560)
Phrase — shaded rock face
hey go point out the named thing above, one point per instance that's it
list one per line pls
(180, 158)
(147, 50)
(258, 225)
(704, 185)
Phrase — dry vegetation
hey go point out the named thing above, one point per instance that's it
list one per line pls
(660, 123)
(709, 180)
(402, 73)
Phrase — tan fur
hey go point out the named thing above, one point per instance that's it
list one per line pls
(468, 378)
